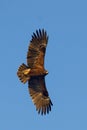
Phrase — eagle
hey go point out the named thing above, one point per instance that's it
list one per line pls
(34, 72)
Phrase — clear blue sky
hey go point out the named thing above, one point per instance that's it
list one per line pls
(66, 61)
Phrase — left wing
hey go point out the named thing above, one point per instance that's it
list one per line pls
(37, 48)
(39, 94)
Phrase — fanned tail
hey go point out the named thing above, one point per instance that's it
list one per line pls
(23, 73)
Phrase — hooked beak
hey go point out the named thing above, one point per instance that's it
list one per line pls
(46, 72)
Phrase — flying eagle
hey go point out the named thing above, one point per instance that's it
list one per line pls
(34, 72)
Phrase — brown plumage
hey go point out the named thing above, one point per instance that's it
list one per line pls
(35, 72)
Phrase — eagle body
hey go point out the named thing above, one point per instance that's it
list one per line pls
(34, 72)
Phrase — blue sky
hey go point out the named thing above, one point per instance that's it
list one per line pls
(66, 61)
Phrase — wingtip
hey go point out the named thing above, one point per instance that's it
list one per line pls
(45, 109)
(40, 33)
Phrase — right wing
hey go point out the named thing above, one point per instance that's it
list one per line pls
(39, 94)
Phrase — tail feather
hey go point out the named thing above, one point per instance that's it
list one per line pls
(23, 73)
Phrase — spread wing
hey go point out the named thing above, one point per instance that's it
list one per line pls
(39, 94)
(37, 48)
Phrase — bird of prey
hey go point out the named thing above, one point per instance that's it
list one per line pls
(34, 72)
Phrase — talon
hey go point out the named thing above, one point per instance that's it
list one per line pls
(26, 71)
